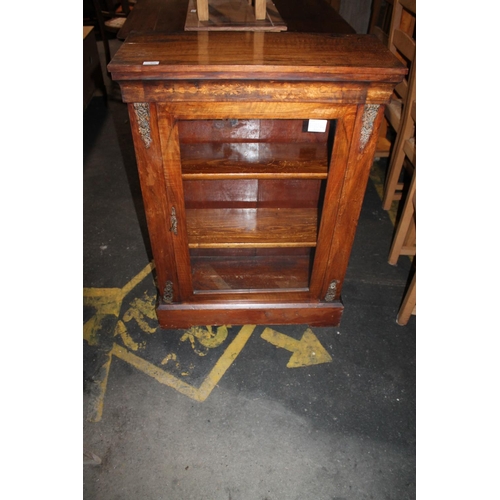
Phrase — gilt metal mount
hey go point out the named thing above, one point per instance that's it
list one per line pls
(369, 115)
(332, 291)
(173, 221)
(142, 114)
(168, 293)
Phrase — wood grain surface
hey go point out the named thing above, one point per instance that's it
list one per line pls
(255, 56)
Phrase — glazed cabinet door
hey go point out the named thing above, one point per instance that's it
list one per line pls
(252, 209)
(251, 205)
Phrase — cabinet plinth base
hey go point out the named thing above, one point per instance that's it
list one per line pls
(174, 316)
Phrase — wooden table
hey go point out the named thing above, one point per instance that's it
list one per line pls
(169, 16)
(251, 215)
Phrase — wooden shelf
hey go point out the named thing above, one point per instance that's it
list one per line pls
(252, 227)
(253, 160)
(253, 273)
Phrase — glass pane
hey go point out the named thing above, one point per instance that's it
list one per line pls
(253, 193)
(252, 269)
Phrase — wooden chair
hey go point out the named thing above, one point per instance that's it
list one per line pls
(401, 41)
(404, 242)
(380, 20)
(409, 304)
(111, 16)
(399, 164)
(92, 73)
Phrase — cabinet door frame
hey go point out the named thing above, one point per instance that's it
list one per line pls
(158, 148)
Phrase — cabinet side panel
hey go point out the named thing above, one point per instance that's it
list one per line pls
(360, 159)
(344, 129)
(143, 122)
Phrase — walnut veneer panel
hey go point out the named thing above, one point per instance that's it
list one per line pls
(255, 56)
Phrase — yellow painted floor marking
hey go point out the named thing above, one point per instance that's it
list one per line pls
(306, 351)
(153, 371)
(211, 380)
(97, 406)
(107, 301)
(206, 337)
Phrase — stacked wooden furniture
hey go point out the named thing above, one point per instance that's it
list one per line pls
(401, 41)
(251, 215)
(111, 16)
(380, 21)
(399, 109)
(405, 238)
(92, 73)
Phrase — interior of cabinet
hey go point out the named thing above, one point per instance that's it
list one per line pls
(253, 192)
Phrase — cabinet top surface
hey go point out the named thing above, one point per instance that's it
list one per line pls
(255, 56)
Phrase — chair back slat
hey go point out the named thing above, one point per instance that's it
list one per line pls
(404, 44)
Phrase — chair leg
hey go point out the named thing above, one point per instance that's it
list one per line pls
(260, 9)
(408, 307)
(102, 31)
(404, 226)
(394, 172)
(202, 8)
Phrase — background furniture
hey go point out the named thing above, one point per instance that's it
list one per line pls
(233, 15)
(380, 19)
(380, 23)
(92, 73)
(402, 164)
(402, 43)
(110, 17)
(306, 16)
(259, 9)
(251, 215)
(409, 304)
(404, 242)
(401, 40)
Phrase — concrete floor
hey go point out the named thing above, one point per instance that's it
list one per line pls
(217, 414)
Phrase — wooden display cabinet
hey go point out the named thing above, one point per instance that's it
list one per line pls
(251, 216)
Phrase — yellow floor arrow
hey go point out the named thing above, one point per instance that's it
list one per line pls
(306, 351)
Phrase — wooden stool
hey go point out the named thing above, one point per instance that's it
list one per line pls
(202, 9)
